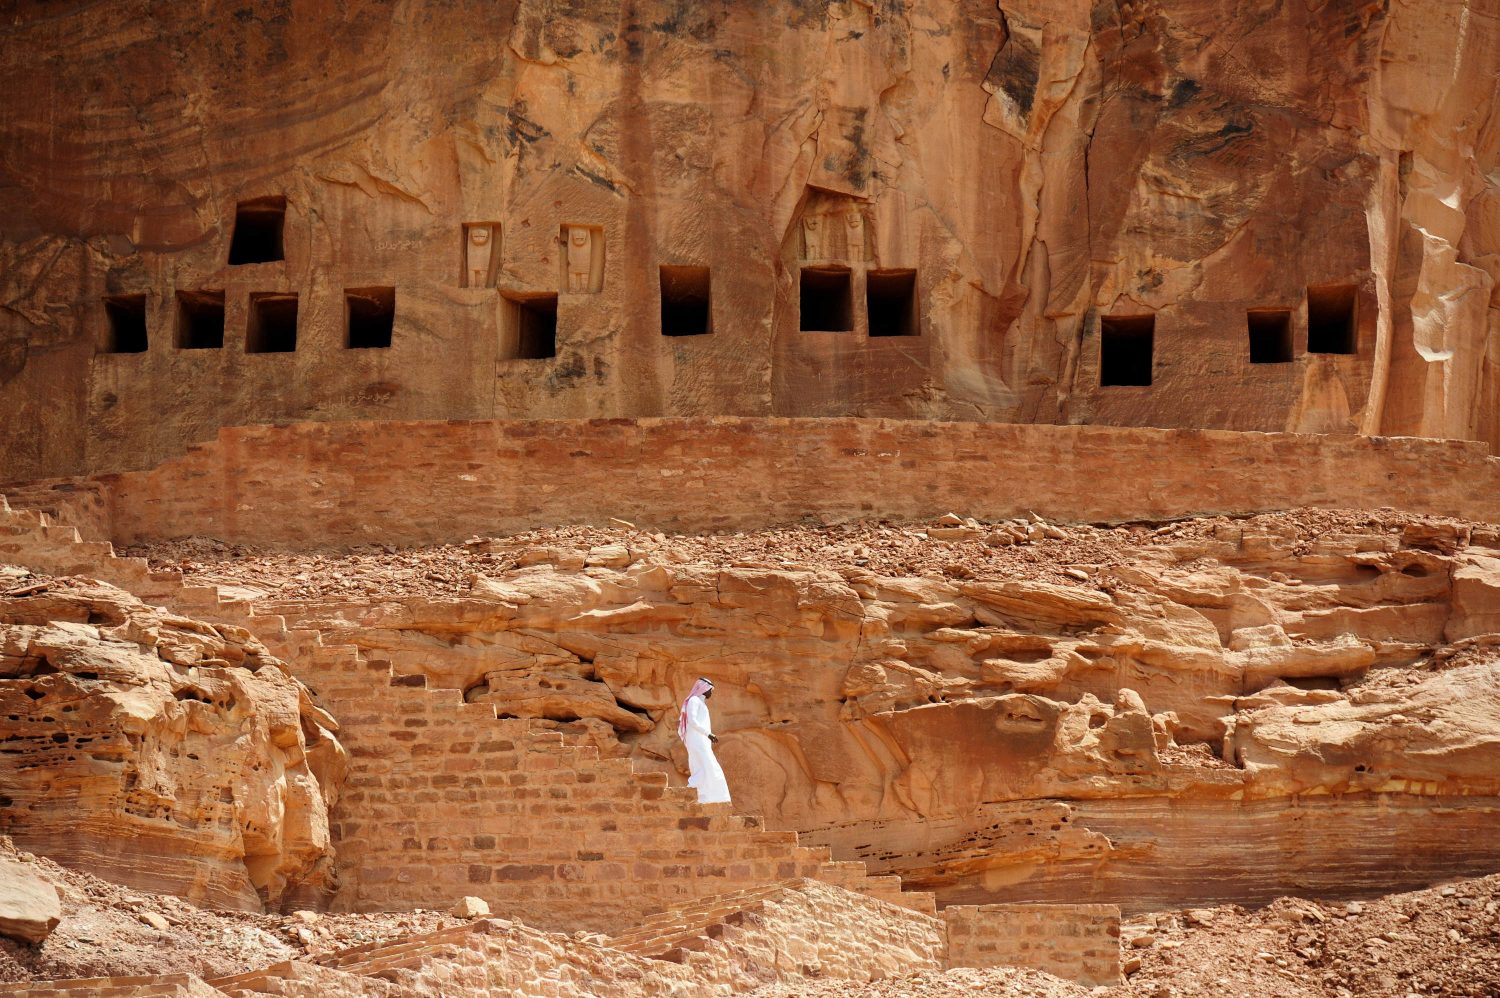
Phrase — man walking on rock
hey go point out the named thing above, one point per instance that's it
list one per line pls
(696, 732)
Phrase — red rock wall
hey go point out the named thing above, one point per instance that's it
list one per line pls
(1040, 166)
(1165, 852)
(322, 484)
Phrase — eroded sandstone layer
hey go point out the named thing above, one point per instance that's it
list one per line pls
(159, 751)
(1185, 215)
(1214, 710)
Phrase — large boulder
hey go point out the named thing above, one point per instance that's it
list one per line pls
(29, 907)
(161, 752)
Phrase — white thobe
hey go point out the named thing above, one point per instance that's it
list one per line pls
(705, 776)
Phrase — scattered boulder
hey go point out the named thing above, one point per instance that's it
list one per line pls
(608, 556)
(471, 907)
(29, 906)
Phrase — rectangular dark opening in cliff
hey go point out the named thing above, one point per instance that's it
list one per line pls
(369, 317)
(257, 234)
(826, 300)
(125, 319)
(531, 326)
(273, 323)
(685, 301)
(891, 302)
(1126, 344)
(200, 320)
(1270, 335)
(1330, 319)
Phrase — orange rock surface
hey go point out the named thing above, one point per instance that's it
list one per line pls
(162, 752)
(1193, 215)
(1063, 431)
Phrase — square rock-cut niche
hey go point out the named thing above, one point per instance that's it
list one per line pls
(891, 302)
(686, 301)
(369, 317)
(825, 300)
(200, 320)
(581, 262)
(481, 255)
(528, 326)
(258, 231)
(272, 326)
(124, 324)
(1270, 335)
(1330, 319)
(1126, 349)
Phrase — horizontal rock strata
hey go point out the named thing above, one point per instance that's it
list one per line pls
(160, 751)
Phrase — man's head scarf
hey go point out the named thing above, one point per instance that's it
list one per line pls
(701, 687)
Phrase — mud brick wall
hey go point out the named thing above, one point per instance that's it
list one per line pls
(328, 484)
(1079, 942)
(445, 800)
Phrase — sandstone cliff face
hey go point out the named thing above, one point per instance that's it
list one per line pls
(161, 752)
(996, 736)
(1275, 219)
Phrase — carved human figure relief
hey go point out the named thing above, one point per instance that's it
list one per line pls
(580, 252)
(812, 238)
(479, 254)
(854, 223)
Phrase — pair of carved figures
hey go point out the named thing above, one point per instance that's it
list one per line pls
(834, 235)
(582, 256)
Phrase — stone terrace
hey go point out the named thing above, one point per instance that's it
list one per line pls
(312, 485)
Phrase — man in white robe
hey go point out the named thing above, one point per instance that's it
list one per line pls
(696, 732)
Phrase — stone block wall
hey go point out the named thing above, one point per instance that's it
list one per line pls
(1079, 942)
(820, 931)
(445, 800)
(790, 930)
(325, 484)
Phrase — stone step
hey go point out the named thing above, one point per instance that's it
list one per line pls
(340, 959)
(408, 958)
(113, 987)
(683, 923)
(64, 535)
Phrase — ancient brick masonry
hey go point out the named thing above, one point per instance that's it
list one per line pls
(320, 484)
(589, 842)
(1079, 942)
(445, 800)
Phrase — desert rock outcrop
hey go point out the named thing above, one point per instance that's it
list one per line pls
(161, 751)
(962, 726)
